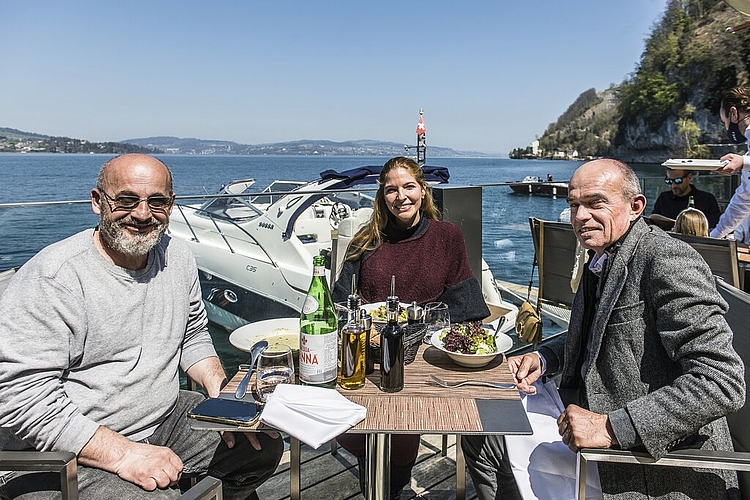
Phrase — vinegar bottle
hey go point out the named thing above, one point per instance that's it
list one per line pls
(318, 331)
(392, 347)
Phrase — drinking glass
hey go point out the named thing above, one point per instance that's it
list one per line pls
(275, 366)
(436, 317)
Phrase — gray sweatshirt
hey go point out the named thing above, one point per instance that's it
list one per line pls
(85, 343)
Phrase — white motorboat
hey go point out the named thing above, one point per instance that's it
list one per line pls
(254, 249)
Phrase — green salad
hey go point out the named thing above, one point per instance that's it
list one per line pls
(469, 338)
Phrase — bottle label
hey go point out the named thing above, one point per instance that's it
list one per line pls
(310, 305)
(319, 271)
(318, 357)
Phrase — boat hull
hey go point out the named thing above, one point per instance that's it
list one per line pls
(232, 306)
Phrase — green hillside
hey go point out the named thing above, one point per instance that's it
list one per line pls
(668, 107)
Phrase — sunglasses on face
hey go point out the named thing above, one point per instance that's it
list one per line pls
(124, 202)
(678, 180)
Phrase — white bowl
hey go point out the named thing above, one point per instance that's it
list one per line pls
(503, 343)
(275, 331)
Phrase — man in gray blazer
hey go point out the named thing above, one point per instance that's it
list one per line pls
(647, 362)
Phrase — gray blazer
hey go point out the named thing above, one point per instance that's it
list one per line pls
(660, 363)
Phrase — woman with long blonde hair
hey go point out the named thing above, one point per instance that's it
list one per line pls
(405, 238)
(691, 221)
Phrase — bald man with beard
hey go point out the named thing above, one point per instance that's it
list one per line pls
(93, 332)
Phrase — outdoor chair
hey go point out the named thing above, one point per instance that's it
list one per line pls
(739, 460)
(560, 263)
(720, 255)
(556, 256)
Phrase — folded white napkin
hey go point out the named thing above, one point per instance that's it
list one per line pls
(314, 415)
(542, 465)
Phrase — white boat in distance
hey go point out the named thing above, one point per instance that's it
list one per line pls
(254, 249)
(532, 184)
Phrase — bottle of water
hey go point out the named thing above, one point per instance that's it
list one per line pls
(318, 330)
(392, 347)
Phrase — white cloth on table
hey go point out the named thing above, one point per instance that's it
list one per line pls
(542, 464)
(314, 415)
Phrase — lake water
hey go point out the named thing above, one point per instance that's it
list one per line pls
(506, 241)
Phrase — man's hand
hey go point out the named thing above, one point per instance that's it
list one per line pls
(581, 428)
(526, 369)
(149, 466)
(230, 439)
(734, 165)
(144, 465)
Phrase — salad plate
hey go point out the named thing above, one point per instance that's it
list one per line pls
(502, 344)
(379, 315)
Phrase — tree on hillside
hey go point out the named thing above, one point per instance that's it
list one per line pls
(670, 102)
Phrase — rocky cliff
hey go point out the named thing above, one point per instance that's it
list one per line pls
(669, 106)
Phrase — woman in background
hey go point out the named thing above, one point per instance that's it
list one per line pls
(691, 221)
(428, 257)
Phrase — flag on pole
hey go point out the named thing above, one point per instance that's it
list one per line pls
(420, 126)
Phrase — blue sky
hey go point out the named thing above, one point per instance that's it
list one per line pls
(490, 75)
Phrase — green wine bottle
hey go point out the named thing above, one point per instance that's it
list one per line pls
(318, 332)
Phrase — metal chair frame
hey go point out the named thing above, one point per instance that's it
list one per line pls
(64, 463)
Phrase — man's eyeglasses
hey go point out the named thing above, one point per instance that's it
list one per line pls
(124, 202)
(678, 180)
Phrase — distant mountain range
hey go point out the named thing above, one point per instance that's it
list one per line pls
(13, 140)
(364, 147)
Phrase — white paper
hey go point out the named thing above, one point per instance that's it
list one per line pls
(544, 467)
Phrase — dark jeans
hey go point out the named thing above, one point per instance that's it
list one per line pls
(404, 450)
(241, 469)
(489, 467)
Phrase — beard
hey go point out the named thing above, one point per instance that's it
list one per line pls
(127, 243)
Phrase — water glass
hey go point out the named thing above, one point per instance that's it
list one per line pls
(275, 366)
(436, 317)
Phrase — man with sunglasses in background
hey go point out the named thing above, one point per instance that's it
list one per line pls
(682, 194)
(93, 330)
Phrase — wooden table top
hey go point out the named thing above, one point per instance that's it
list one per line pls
(743, 252)
(424, 407)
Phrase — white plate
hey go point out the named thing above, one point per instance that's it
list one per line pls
(693, 164)
(375, 305)
(275, 331)
(502, 341)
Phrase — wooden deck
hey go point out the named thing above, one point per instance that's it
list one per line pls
(335, 477)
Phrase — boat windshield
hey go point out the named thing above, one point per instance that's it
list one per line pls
(275, 187)
(234, 207)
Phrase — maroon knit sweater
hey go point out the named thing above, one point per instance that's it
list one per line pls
(430, 264)
(425, 265)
